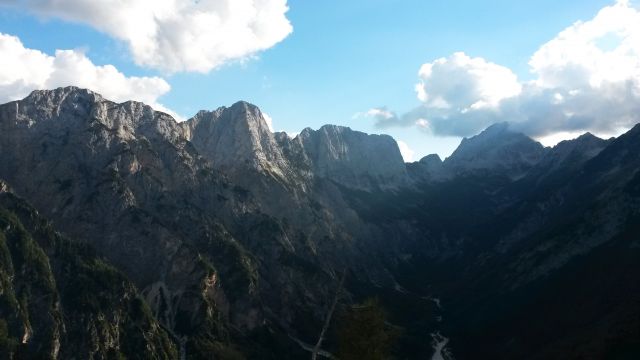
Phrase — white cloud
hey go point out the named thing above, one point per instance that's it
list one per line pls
(406, 151)
(462, 83)
(23, 70)
(553, 139)
(590, 54)
(383, 116)
(383, 113)
(587, 78)
(423, 124)
(177, 35)
(268, 120)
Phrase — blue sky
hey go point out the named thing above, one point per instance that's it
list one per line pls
(342, 58)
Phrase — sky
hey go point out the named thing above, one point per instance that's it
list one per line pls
(426, 72)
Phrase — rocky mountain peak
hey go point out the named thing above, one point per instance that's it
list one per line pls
(428, 168)
(619, 153)
(496, 149)
(431, 159)
(238, 137)
(587, 144)
(353, 158)
(42, 105)
(59, 95)
(72, 109)
(566, 156)
(499, 132)
(235, 137)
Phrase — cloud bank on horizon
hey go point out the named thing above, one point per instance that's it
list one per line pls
(585, 79)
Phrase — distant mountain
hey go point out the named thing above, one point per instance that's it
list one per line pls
(497, 149)
(236, 237)
(429, 168)
(563, 247)
(352, 158)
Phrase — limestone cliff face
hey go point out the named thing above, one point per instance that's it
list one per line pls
(354, 159)
(236, 137)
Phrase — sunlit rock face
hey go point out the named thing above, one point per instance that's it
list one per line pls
(236, 137)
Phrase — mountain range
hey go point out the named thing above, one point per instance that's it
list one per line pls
(127, 234)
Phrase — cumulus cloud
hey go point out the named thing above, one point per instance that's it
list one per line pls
(381, 113)
(586, 78)
(383, 116)
(269, 120)
(177, 35)
(461, 83)
(406, 151)
(603, 50)
(23, 70)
